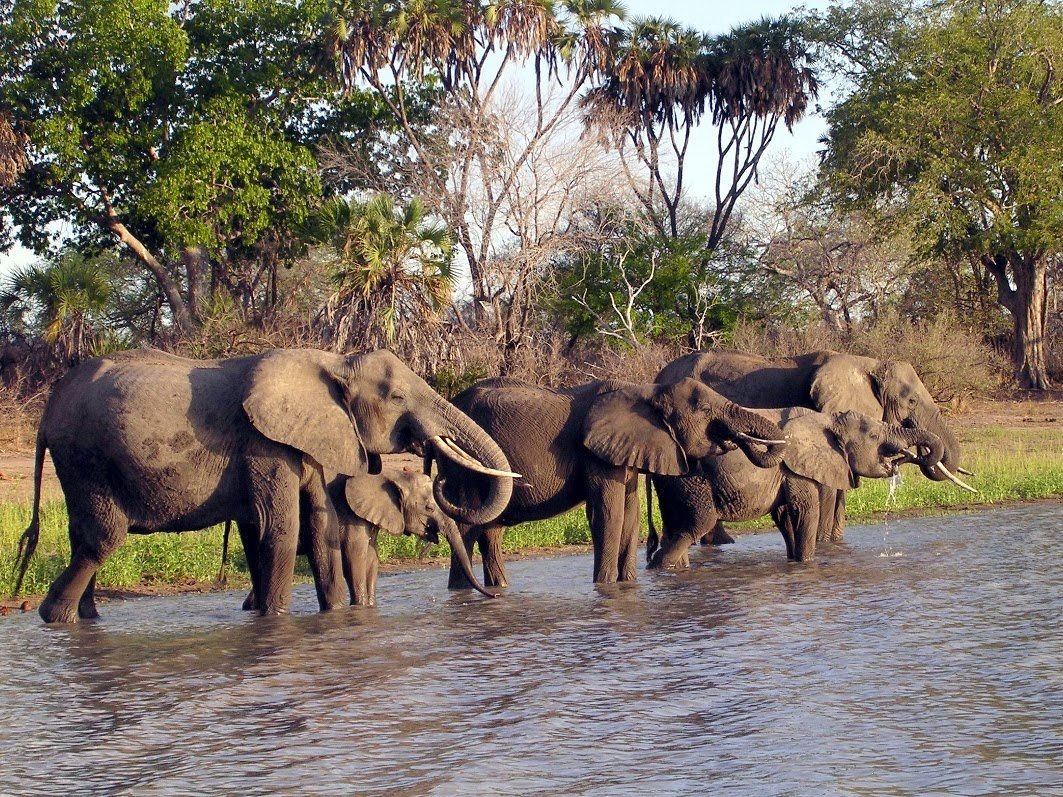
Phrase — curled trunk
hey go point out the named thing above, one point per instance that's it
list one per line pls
(478, 444)
(760, 440)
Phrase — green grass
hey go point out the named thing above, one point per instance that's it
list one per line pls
(1011, 464)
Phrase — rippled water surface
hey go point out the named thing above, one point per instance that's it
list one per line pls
(923, 657)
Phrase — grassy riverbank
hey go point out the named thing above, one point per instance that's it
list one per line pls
(1014, 462)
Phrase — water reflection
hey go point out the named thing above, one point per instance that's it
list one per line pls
(933, 672)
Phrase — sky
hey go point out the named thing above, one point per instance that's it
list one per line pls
(707, 16)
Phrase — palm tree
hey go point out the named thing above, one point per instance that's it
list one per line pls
(63, 299)
(652, 96)
(390, 270)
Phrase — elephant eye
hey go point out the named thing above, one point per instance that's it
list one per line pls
(398, 397)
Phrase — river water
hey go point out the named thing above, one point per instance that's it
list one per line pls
(922, 657)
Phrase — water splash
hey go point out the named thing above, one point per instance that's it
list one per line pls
(894, 482)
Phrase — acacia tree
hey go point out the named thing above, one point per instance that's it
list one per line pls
(954, 128)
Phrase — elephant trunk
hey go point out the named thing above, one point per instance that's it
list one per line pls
(761, 441)
(477, 444)
(457, 545)
(929, 447)
(928, 418)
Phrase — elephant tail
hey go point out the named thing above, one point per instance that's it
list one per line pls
(27, 544)
(222, 578)
(653, 540)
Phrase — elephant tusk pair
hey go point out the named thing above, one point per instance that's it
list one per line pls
(955, 479)
(454, 453)
(751, 439)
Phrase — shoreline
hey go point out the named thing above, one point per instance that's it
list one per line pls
(27, 603)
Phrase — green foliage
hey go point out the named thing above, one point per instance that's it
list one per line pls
(390, 269)
(638, 285)
(228, 179)
(954, 128)
(64, 300)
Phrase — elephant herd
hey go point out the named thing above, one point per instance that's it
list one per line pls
(287, 445)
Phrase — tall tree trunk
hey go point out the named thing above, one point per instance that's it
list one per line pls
(1026, 303)
(181, 317)
(1029, 314)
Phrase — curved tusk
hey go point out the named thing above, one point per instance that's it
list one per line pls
(454, 453)
(965, 472)
(762, 441)
(955, 479)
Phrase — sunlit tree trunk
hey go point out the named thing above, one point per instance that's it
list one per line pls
(1026, 303)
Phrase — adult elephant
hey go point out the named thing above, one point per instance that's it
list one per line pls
(588, 444)
(145, 441)
(830, 382)
(826, 452)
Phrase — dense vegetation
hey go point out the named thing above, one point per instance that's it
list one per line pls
(483, 186)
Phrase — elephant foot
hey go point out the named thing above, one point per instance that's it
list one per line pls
(495, 578)
(721, 537)
(88, 611)
(249, 604)
(55, 611)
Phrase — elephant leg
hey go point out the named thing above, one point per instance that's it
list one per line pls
(249, 539)
(804, 503)
(784, 522)
(356, 551)
(322, 549)
(276, 500)
(372, 570)
(470, 535)
(490, 543)
(98, 530)
(87, 605)
(837, 531)
(606, 501)
(828, 508)
(629, 545)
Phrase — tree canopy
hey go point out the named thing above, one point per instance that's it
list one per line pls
(954, 128)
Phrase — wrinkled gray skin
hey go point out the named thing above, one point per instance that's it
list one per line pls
(825, 453)
(144, 441)
(588, 444)
(826, 381)
(399, 501)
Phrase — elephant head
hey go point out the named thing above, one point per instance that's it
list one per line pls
(666, 428)
(888, 390)
(344, 411)
(402, 502)
(837, 449)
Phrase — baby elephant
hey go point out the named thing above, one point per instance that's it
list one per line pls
(399, 501)
(826, 453)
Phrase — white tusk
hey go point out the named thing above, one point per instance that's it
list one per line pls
(964, 472)
(453, 452)
(955, 479)
(763, 442)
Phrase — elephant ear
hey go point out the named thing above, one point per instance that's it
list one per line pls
(843, 383)
(294, 397)
(376, 500)
(814, 451)
(625, 427)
